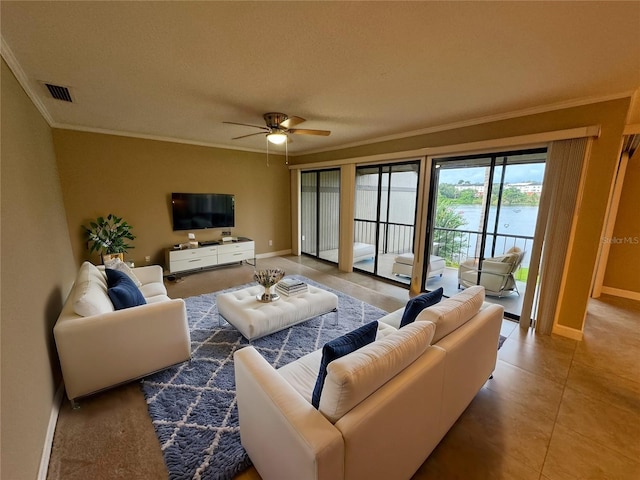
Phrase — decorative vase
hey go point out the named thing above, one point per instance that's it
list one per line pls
(268, 278)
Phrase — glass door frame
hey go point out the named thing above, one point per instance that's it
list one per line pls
(318, 187)
(496, 159)
(380, 168)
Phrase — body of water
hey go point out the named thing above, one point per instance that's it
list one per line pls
(514, 220)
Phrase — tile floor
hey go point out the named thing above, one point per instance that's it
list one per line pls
(555, 409)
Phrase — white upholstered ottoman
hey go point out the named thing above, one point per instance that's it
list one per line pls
(403, 265)
(255, 319)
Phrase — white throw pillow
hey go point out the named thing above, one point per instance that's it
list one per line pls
(453, 312)
(352, 378)
(90, 292)
(117, 264)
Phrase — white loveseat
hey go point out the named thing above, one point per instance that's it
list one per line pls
(383, 408)
(100, 347)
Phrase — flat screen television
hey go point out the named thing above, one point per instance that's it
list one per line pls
(202, 210)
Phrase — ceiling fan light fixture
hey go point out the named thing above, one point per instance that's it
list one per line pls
(277, 138)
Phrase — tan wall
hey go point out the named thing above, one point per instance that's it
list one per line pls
(600, 169)
(37, 273)
(624, 257)
(133, 178)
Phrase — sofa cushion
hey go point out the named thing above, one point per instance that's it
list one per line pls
(117, 264)
(419, 303)
(90, 292)
(354, 377)
(154, 289)
(453, 312)
(339, 347)
(122, 291)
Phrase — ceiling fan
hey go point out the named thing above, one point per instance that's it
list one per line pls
(278, 126)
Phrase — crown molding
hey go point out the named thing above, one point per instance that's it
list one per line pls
(159, 138)
(482, 120)
(23, 80)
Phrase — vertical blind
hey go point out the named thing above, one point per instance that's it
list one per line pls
(556, 216)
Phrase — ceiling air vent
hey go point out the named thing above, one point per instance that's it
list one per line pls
(59, 93)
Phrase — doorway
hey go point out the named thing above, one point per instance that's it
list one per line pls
(482, 217)
(385, 213)
(320, 213)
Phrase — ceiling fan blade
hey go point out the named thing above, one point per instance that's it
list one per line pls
(304, 131)
(291, 122)
(250, 135)
(261, 127)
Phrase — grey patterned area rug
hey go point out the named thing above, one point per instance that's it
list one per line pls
(193, 405)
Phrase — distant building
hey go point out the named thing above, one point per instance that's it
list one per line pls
(528, 188)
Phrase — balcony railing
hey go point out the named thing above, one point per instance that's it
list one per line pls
(394, 237)
(453, 245)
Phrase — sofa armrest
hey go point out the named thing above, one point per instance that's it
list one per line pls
(104, 350)
(148, 274)
(285, 437)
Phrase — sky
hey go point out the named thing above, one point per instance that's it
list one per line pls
(515, 173)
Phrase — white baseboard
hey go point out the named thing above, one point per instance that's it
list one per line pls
(567, 332)
(51, 429)
(617, 292)
(274, 254)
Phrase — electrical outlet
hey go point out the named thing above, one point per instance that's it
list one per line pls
(271, 243)
(303, 238)
(147, 258)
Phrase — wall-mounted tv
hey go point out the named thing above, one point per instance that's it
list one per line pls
(202, 210)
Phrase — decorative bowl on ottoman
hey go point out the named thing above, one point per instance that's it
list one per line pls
(268, 278)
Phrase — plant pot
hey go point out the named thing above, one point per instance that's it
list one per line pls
(110, 256)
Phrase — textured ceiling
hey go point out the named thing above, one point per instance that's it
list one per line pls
(363, 70)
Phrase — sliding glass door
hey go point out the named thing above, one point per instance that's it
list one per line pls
(385, 212)
(320, 213)
(483, 212)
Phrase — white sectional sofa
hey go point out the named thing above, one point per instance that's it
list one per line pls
(383, 408)
(100, 347)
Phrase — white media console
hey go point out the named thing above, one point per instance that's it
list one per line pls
(218, 253)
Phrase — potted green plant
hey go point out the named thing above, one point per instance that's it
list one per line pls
(109, 237)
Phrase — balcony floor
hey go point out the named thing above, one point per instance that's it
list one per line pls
(448, 281)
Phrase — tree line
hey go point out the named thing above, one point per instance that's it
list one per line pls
(510, 196)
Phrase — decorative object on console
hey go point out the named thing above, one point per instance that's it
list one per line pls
(268, 278)
(109, 236)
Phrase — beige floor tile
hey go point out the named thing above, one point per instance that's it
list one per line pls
(541, 356)
(616, 354)
(538, 394)
(508, 327)
(605, 386)
(606, 424)
(465, 454)
(509, 426)
(572, 456)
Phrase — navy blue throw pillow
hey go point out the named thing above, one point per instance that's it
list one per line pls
(122, 292)
(419, 303)
(339, 347)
